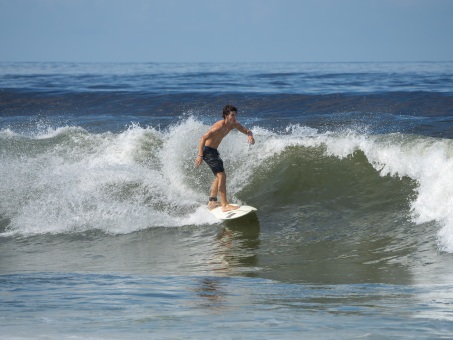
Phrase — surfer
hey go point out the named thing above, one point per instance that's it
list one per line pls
(207, 151)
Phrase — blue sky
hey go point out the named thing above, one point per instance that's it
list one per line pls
(226, 30)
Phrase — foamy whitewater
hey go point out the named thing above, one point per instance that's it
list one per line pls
(73, 181)
(104, 230)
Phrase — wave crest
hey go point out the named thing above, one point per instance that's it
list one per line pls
(69, 180)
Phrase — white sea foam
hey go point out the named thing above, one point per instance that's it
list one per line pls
(5, 133)
(118, 183)
(143, 178)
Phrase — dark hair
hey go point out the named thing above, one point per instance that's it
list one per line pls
(227, 109)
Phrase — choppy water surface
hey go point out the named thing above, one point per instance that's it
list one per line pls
(104, 230)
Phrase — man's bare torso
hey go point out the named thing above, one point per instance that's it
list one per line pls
(216, 134)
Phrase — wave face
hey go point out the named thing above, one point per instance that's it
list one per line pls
(69, 180)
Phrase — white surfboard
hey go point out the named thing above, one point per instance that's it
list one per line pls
(232, 214)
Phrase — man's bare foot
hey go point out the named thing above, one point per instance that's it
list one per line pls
(229, 207)
(213, 205)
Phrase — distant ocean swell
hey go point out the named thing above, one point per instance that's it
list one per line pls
(422, 113)
(69, 180)
(414, 103)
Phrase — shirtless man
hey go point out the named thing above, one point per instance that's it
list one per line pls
(207, 151)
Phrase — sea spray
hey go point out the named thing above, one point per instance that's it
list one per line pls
(79, 181)
(70, 180)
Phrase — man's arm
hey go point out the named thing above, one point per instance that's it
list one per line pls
(247, 132)
(202, 143)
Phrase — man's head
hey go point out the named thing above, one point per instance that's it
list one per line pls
(228, 109)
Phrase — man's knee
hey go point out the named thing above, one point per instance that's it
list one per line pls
(221, 176)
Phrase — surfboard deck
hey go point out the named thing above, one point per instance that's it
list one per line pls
(230, 215)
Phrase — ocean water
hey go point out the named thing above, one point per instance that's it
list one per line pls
(104, 230)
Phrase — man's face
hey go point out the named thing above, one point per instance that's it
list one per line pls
(231, 118)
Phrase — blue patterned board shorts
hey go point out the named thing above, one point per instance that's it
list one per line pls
(212, 158)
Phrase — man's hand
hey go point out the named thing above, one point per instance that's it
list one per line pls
(250, 139)
(198, 160)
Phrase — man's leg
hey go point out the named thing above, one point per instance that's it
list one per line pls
(213, 193)
(221, 176)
